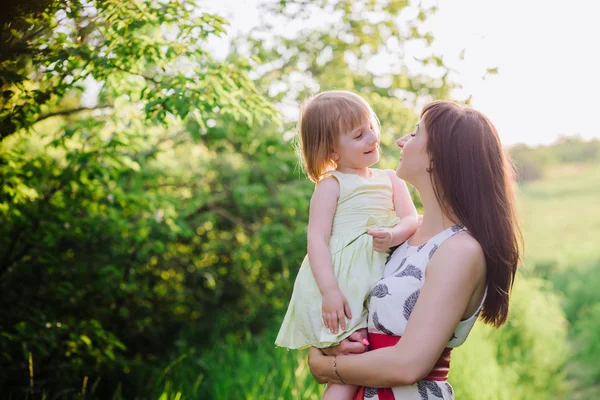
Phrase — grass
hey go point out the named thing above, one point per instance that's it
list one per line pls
(561, 218)
(248, 367)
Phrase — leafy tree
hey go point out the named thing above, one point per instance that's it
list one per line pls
(97, 201)
(165, 221)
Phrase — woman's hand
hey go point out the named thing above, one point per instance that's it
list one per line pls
(382, 239)
(355, 344)
(319, 365)
(334, 307)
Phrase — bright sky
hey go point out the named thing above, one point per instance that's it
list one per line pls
(547, 54)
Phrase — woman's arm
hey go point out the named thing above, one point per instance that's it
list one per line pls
(322, 209)
(455, 277)
(383, 239)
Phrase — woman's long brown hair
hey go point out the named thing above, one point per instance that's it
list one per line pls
(474, 180)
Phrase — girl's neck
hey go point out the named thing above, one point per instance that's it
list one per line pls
(362, 172)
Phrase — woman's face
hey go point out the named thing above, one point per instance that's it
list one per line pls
(414, 159)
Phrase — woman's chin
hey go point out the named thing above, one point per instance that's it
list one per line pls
(399, 172)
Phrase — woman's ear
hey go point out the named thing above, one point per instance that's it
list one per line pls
(430, 168)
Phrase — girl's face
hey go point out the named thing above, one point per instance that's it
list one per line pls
(414, 159)
(357, 149)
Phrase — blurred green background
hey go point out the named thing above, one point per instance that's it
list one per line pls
(150, 233)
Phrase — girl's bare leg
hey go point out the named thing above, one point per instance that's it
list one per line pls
(339, 392)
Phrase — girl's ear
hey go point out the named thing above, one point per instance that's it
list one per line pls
(335, 156)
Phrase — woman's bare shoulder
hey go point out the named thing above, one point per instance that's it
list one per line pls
(461, 252)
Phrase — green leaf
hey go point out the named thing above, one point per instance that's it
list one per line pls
(86, 340)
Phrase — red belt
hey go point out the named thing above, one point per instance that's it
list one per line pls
(438, 373)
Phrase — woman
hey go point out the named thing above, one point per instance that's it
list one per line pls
(460, 263)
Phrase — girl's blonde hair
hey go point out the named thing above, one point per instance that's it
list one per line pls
(323, 118)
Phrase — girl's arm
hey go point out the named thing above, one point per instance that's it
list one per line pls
(322, 209)
(383, 239)
(454, 285)
(405, 209)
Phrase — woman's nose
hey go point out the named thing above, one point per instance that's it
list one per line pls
(402, 141)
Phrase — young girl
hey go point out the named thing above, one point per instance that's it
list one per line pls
(356, 215)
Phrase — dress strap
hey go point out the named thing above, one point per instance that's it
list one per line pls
(432, 244)
(476, 313)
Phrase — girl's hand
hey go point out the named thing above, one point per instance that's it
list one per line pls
(334, 307)
(317, 362)
(382, 239)
(355, 344)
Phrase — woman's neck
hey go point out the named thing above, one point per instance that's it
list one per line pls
(435, 220)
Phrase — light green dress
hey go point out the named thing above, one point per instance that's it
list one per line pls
(363, 203)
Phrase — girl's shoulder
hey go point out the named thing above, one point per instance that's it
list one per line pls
(389, 176)
(378, 172)
(326, 189)
(333, 174)
(333, 178)
(328, 183)
(385, 174)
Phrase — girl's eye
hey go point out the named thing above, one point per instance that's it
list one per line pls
(413, 134)
(359, 136)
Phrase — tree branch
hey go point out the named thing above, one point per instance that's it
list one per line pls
(236, 220)
(233, 218)
(69, 112)
(146, 77)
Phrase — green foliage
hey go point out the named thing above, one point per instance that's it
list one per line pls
(528, 164)
(576, 150)
(537, 324)
(242, 367)
(587, 341)
(476, 372)
(102, 263)
(561, 222)
(262, 371)
(531, 162)
(149, 52)
(581, 302)
(515, 361)
(149, 238)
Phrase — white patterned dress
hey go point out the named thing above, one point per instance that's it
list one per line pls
(392, 301)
